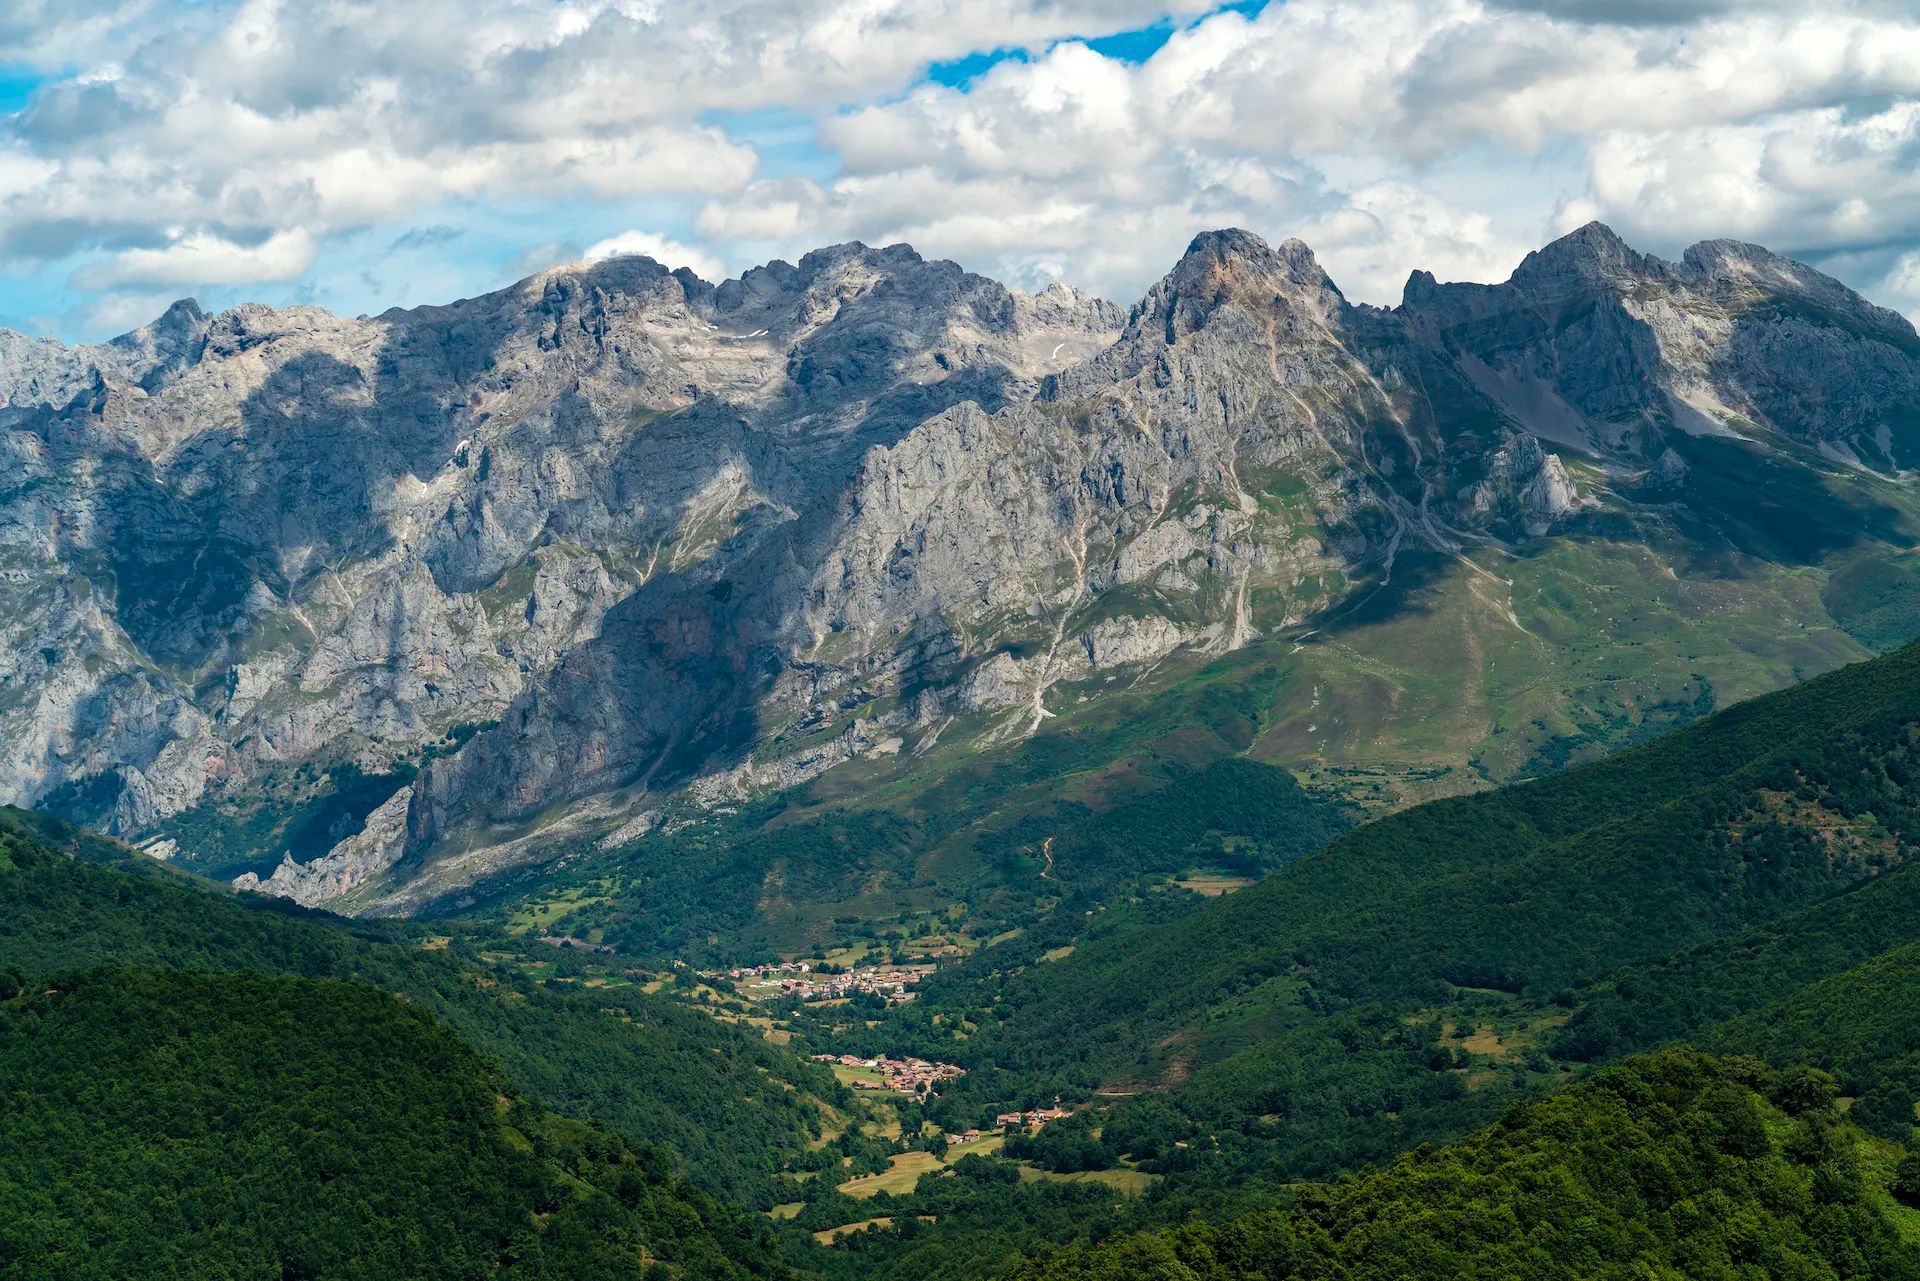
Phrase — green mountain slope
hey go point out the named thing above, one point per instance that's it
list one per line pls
(1752, 814)
(780, 879)
(717, 1095)
(1675, 1165)
(1862, 1025)
(192, 1125)
(1650, 1003)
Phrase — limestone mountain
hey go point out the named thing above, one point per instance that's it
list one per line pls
(366, 610)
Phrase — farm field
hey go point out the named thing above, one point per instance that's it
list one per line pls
(1213, 886)
(832, 1236)
(907, 1168)
(1124, 1181)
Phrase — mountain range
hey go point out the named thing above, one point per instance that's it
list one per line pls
(365, 612)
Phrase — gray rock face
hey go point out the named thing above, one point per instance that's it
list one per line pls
(1524, 487)
(355, 861)
(664, 538)
(1602, 349)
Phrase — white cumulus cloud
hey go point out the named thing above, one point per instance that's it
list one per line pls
(202, 258)
(668, 253)
(242, 141)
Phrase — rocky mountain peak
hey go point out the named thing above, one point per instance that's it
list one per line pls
(182, 318)
(826, 260)
(1594, 345)
(827, 280)
(1578, 262)
(1726, 256)
(1235, 259)
(625, 280)
(1420, 287)
(1736, 267)
(1235, 267)
(160, 349)
(1584, 257)
(1061, 303)
(1737, 272)
(1225, 243)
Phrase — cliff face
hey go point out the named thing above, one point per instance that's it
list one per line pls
(615, 535)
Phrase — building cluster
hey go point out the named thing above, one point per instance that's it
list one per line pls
(766, 971)
(798, 979)
(1033, 1119)
(912, 1076)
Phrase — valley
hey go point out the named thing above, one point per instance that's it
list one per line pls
(1000, 640)
(1742, 884)
(1417, 978)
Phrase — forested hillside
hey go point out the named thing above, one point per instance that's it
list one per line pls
(1750, 815)
(722, 1098)
(976, 855)
(178, 1125)
(1675, 1165)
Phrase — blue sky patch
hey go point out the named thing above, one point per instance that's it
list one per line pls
(787, 141)
(16, 87)
(1134, 46)
(961, 72)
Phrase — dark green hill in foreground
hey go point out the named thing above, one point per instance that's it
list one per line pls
(194, 1125)
(722, 1098)
(1675, 1165)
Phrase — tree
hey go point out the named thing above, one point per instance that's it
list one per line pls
(1906, 1180)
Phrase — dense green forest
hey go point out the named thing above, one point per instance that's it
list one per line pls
(1650, 1003)
(1235, 815)
(723, 1098)
(1675, 1165)
(169, 1124)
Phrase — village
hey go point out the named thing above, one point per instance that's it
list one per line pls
(918, 1077)
(883, 1139)
(910, 1076)
(802, 981)
(1030, 1121)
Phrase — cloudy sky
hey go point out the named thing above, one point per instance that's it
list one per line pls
(361, 154)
